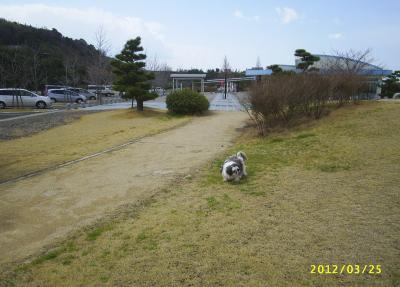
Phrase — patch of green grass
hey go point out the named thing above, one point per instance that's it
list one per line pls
(67, 260)
(211, 202)
(106, 253)
(85, 252)
(332, 167)
(276, 140)
(141, 236)
(96, 232)
(147, 240)
(67, 247)
(48, 256)
(70, 246)
(151, 245)
(305, 135)
(252, 190)
(104, 278)
(222, 203)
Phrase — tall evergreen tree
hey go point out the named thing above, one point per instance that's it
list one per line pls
(130, 75)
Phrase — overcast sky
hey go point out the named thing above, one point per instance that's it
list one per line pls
(198, 34)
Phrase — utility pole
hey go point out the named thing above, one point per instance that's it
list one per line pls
(225, 84)
(225, 68)
(66, 74)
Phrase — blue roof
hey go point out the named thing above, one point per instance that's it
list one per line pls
(366, 72)
(377, 72)
(253, 72)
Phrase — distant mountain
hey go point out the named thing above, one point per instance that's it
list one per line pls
(32, 57)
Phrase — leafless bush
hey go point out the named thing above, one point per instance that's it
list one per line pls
(279, 99)
(99, 72)
(346, 87)
(256, 116)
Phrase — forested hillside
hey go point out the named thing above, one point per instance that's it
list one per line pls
(32, 57)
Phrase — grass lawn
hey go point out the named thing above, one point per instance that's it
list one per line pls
(90, 134)
(325, 193)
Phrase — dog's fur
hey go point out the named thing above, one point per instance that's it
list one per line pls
(234, 167)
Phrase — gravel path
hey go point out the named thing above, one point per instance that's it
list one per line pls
(37, 210)
(26, 126)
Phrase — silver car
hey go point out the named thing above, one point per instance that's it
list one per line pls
(22, 98)
(64, 95)
(83, 92)
(104, 90)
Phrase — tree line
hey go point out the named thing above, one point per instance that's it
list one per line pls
(33, 57)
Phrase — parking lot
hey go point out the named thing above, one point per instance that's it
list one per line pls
(217, 103)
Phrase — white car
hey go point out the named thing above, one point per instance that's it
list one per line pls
(396, 96)
(22, 98)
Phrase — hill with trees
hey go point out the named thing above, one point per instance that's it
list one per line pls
(33, 57)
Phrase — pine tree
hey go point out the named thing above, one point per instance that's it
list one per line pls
(275, 69)
(391, 85)
(130, 75)
(306, 59)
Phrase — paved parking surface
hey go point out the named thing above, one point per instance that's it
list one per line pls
(231, 103)
(217, 104)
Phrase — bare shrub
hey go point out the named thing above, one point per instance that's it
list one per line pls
(346, 87)
(279, 99)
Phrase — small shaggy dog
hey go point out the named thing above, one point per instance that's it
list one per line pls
(234, 167)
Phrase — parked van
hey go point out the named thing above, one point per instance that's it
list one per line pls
(22, 98)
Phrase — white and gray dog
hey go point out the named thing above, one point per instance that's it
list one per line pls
(234, 167)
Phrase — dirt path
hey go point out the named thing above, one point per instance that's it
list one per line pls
(37, 210)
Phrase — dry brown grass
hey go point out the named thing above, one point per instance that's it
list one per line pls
(327, 193)
(90, 134)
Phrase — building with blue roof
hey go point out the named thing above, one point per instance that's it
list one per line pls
(330, 64)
